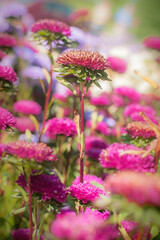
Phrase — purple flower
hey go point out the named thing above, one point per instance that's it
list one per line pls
(22, 233)
(7, 74)
(117, 64)
(115, 157)
(152, 42)
(13, 10)
(33, 72)
(6, 119)
(27, 107)
(49, 186)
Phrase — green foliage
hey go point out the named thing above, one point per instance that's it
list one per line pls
(138, 141)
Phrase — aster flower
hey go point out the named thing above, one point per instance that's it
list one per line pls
(2, 55)
(136, 187)
(6, 119)
(117, 100)
(92, 227)
(23, 123)
(140, 129)
(26, 150)
(115, 157)
(117, 64)
(49, 186)
(130, 93)
(101, 127)
(86, 192)
(99, 101)
(152, 42)
(22, 233)
(7, 41)
(88, 179)
(61, 126)
(94, 146)
(15, 10)
(7, 75)
(33, 72)
(27, 107)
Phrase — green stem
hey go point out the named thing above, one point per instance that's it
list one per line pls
(30, 207)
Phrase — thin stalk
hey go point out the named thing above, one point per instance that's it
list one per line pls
(38, 213)
(157, 154)
(124, 233)
(30, 208)
(82, 137)
(47, 96)
(68, 160)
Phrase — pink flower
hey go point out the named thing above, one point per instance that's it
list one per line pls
(27, 107)
(23, 123)
(117, 64)
(52, 26)
(85, 58)
(7, 74)
(86, 192)
(60, 97)
(100, 101)
(88, 179)
(140, 129)
(49, 186)
(130, 93)
(7, 40)
(26, 150)
(115, 157)
(136, 187)
(117, 100)
(152, 42)
(2, 54)
(118, 131)
(6, 119)
(22, 233)
(61, 126)
(101, 127)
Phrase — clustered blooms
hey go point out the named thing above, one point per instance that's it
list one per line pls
(51, 26)
(7, 74)
(85, 58)
(86, 192)
(140, 129)
(6, 119)
(115, 157)
(100, 101)
(61, 126)
(86, 226)
(7, 40)
(49, 186)
(88, 179)
(22, 233)
(101, 127)
(27, 107)
(128, 92)
(136, 187)
(152, 42)
(26, 150)
(23, 123)
(117, 64)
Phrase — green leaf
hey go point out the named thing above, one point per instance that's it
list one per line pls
(18, 211)
(98, 185)
(66, 84)
(97, 84)
(88, 85)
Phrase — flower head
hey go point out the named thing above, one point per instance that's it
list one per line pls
(27, 107)
(130, 93)
(6, 119)
(22, 233)
(88, 179)
(136, 187)
(100, 101)
(85, 58)
(152, 42)
(26, 150)
(52, 26)
(140, 129)
(7, 74)
(49, 186)
(117, 64)
(2, 55)
(23, 123)
(115, 157)
(117, 100)
(7, 40)
(61, 126)
(101, 127)
(15, 10)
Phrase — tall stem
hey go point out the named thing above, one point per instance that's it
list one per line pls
(157, 154)
(47, 95)
(30, 208)
(82, 138)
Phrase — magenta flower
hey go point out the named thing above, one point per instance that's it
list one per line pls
(52, 26)
(60, 97)
(140, 129)
(101, 127)
(6, 119)
(100, 101)
(7, 74)
(26, 150)
(86, 192)
(152, 42)
(27, 107)
(7, 40)
(2, 54)
(61, 126)
(22, 233)
(24, 123)
(118, 131)
(85, 58)
(136, 187)
(117, 100)
(49, 186)
(117, 64)
(115, 157)
(130, 93)
(88, 179)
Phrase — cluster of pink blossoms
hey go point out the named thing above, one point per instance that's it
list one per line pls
(27, 107)
(136, 187)
(115, 157)
(61, 126)
(140, 129)
(49, 186)
(51, 26)
(6, 119)
(117, 64)
(23, 123)
(100, 101)
(7, 74)
(152, 42)
(7, 40)
(26, 150)
(130, 93)
(101, 127)
(88, 178)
